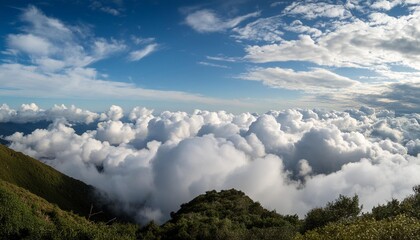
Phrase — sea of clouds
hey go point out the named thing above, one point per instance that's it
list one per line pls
(290, 160)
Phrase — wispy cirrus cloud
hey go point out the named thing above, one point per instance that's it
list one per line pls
(113, 10)
(206, 21)
(312, 10)
(60, 64)
(262, 29)
(212, 64)
(48, 40)
(142, 53)
(317, 79)
(83, 83)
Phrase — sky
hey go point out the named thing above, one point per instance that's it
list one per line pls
(234, 55)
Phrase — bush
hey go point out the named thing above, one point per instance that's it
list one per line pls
(341, 209)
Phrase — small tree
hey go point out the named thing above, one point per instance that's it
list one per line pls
(342, 208)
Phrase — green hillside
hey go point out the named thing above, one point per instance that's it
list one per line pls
(228, 214)
(24, 215)
(42, 180)
(232, 215)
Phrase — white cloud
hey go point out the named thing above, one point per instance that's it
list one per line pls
(115, 132)
(48, 40)
(224, 58)
(20, 80)
(139, 40)
(263, 29)
(114, 113)
(97, 5)
(29, 44)
(212, 64)
(275, 4)
(103, 48)
(60, 56)
(402, 97)
(313, 80)
(41, 25)
(166, 159)
(33, 113)
(314, 10)
(298, 27)
(357, 43)
(385, 4)
(139, 54)
(207, 21)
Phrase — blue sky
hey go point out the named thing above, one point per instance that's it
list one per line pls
(238, 55)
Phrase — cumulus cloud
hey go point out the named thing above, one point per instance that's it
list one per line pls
(290, 160)
(390, 4)
(33, 113)
(208, 21)
(315, 79)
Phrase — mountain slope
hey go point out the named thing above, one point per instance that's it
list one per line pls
(24, 215)
(42, 180)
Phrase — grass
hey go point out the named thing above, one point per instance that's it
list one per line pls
(24, 215)
(42, 180)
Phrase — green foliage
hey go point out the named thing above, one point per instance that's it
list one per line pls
(228, 214)
(410, 206)
(343, 208)
(24, 215)
(391, 209)
(398, 228)
(46, 182)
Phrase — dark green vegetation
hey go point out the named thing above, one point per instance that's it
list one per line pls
(340, 220)
(24, 215)
(343, 208)
(228, 214)
(34, 197)
(42, 180)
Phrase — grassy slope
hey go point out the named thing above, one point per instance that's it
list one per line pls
(46, 182)
(24, 215)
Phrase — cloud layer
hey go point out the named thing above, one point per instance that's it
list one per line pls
(290, 160)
